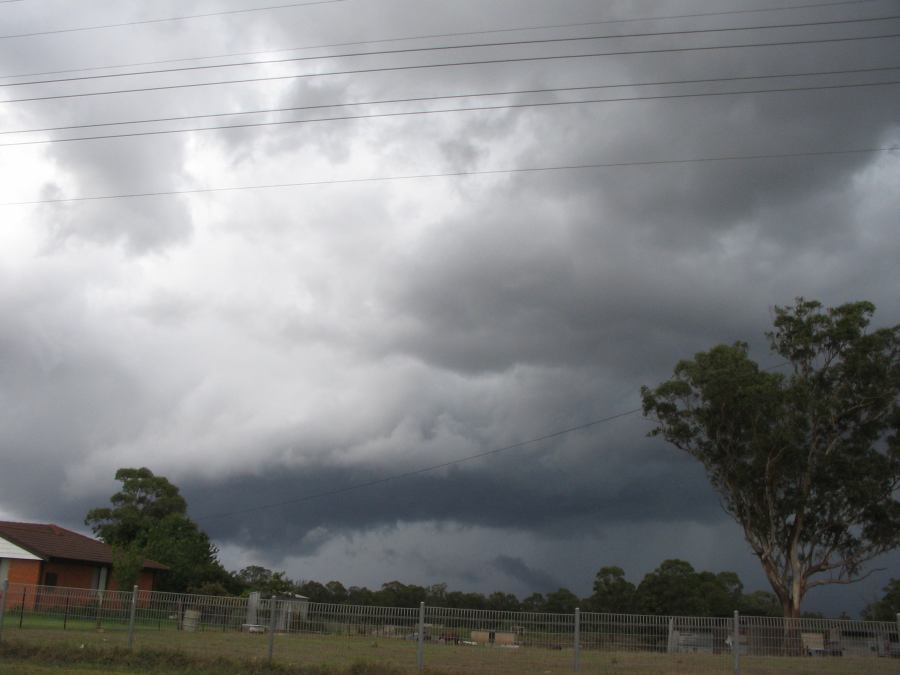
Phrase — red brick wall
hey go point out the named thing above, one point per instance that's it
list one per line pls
(23, 572)
(145, 583)
(70, 574)
(81, 575)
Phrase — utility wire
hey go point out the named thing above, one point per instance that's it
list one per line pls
(440, 48)
(438, 35)
(454, 174)
(422, 66)
(168, 19)
(418, 472)
(410, 113)
(421, 99)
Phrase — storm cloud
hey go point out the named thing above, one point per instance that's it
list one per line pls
(283, 353)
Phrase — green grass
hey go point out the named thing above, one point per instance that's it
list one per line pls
(30, 659)
(86, 649)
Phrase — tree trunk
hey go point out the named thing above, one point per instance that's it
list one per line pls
(791, 607)
(793, 642)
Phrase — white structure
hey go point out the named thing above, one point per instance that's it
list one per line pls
(9, 551)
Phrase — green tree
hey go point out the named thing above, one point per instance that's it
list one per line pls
(888, 607)
(396, 594)
(534, 603)
(612, 592)
(807, 463)
(337, 591)
(562, 601)
(265, 581)
(760, 603)
(254, 577)
(461, 600)
(128, 561)
(143, 501)
(499, 601)
(721, 593)
(436, 594)
(673, 588)
(313, 590)
(360, 595)
(148, 519)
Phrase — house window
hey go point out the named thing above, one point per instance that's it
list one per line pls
(51, 579)
(98, 579)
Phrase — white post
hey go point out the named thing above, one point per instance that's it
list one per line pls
(272, 623)
(420, 647)
(134, 594)
(4, 587)
(99, 608)
(577, 639)
(736, 643)
(889, 654)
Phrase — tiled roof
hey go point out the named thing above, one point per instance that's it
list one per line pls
(53, 541)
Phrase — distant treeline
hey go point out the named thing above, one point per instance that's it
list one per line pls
(673, 588)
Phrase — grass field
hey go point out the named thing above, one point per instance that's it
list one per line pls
(341, 654)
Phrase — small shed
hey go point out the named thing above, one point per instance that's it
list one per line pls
(289, 611)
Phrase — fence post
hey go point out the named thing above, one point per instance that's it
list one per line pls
(99, 608)
(889, 654)
(577, 639)
(272, 619)
(4, 587)
(134, 593)
(420, 647)
(736, 643)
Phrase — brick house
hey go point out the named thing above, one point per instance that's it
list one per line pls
(49, 555)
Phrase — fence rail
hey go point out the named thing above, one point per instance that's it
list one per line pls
(467, 640)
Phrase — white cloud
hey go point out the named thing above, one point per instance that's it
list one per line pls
(371, 326)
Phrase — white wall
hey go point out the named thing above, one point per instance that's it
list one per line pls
(10, 550)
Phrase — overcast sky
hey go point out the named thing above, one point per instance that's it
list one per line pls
(259, 346)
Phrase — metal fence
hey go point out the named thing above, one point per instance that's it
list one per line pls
(296, 631)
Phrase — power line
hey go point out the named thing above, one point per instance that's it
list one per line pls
(444, 35)
(418, 472)
(420, 99)
(438, 48)
(168, 19)
(455, 174)
(523, 59)
(410, 113)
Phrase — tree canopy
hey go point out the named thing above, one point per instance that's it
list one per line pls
(143, 501)
(807, 463)
(673, 588)
(888, 607)
(148, 519)
(612, 592)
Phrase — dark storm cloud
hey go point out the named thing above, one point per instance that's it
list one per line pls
(539, 580)
(518, 491)
(263, 346)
